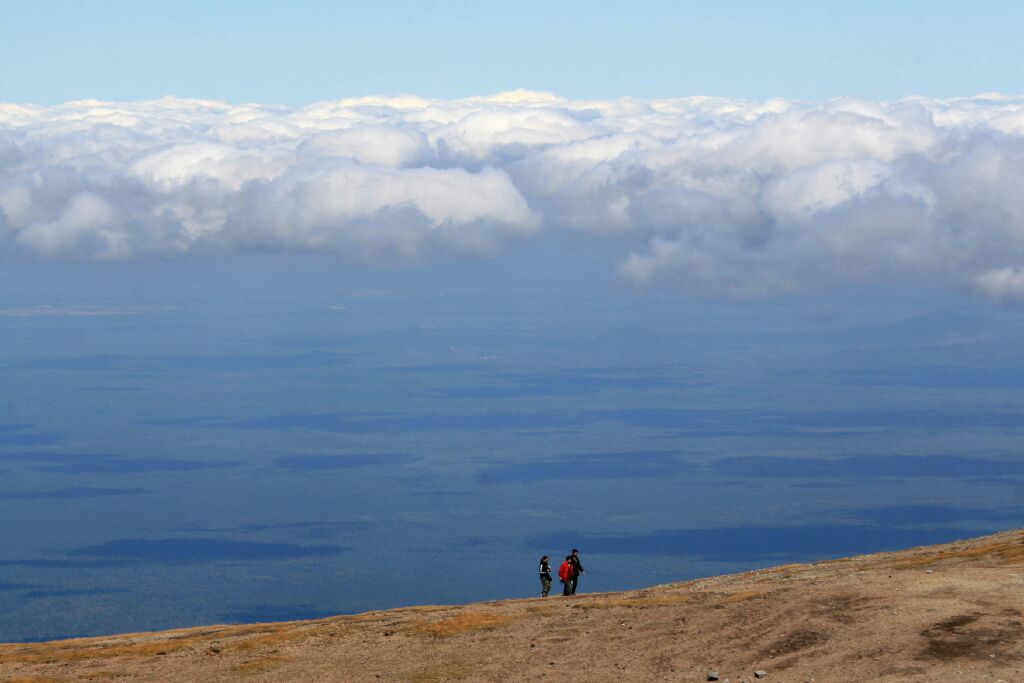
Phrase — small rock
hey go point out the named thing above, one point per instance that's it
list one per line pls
(760, 674)
(712, 675)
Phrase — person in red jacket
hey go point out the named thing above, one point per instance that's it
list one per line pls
(565, 575)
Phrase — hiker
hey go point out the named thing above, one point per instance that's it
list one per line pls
(577, 569)
(565, 575)
(545, 577)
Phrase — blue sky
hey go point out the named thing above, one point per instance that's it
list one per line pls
(297, 52)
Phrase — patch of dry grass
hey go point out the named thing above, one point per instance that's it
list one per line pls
(260, 665)
(276, 637)
(1004, 552)
(543, 609)
(463, 622)
(426, 609)
(775, 573)
(445, 672)
(103, 675)
(741, 596)
(146, 644)
(49, 653)
(635, 601)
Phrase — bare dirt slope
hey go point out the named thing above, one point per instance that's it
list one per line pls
(942, 613)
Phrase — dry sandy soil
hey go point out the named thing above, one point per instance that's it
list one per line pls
(942, 613)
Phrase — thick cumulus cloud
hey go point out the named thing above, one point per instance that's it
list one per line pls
(713, 196)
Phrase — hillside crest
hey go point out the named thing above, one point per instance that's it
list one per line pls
(953, 612)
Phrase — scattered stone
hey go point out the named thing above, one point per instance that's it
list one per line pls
(760, 674)
(712, 675)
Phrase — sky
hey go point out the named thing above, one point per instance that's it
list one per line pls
(304, 51)
(724, 150)
(283, 284)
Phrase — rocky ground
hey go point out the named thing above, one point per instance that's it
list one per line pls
(943, 613)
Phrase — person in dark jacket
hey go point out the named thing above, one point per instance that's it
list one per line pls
(577, 569)
(545, 577)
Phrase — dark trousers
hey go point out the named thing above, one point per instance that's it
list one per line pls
(572, 585)
(566, 585)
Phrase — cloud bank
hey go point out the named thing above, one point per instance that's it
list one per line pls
(713, 196)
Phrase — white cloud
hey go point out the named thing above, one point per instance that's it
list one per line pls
(87, 222)
(715, 196)
(380, 213)
(373, 145)
(1004, 283)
